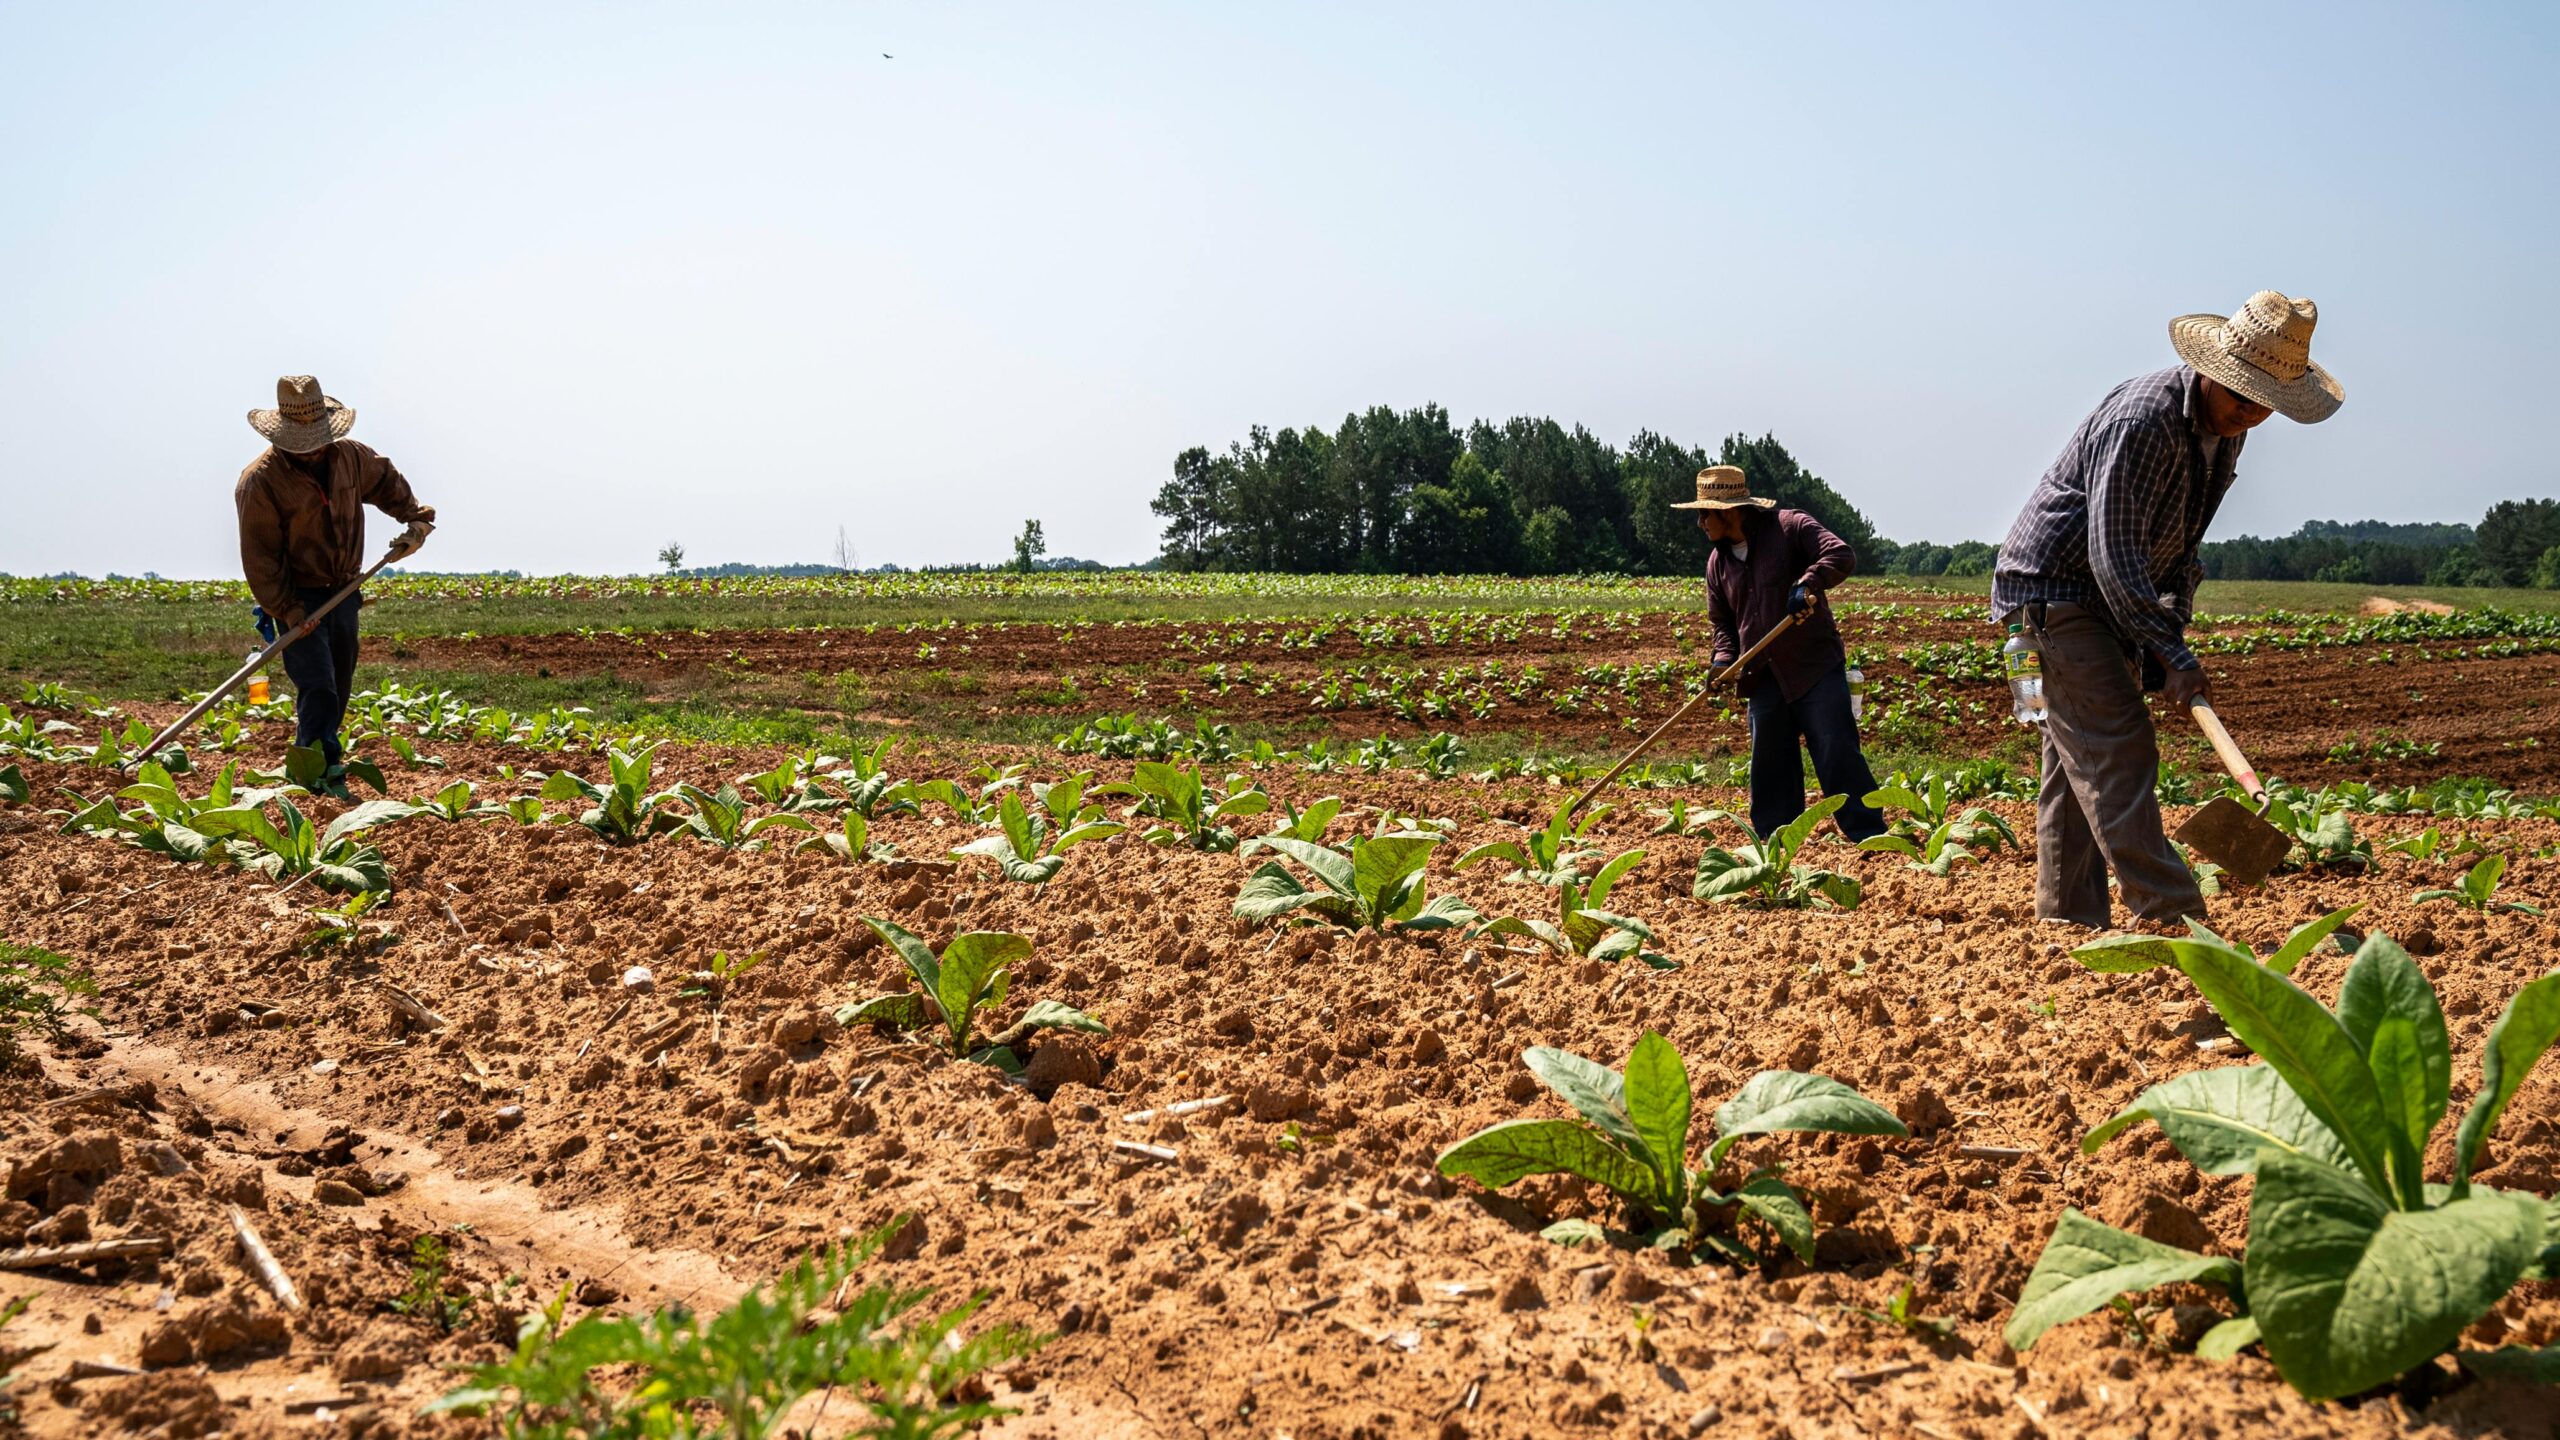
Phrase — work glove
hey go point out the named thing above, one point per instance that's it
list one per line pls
(1800, 602)
(414, 536)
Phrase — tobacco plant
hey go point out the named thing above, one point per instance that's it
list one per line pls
(1634, 1140)
(2357, 1268)
(457, 802)
(1194, 814)
(1307, 825)
(1583, 928)
(1377, 884)
(1769, 875)
(1934, 836)
(852, 842)
(1552, 854)
(971, 974)
(677, 1374)
(1026, 849)
(2478, 890)
(721, 819)
(622, 811)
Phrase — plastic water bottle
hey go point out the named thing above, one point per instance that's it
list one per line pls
(257, 684)
(2024, 664)
(1857, 694)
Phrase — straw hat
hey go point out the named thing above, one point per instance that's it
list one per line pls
(304, 419)
(2264, 352)
(1721, 487)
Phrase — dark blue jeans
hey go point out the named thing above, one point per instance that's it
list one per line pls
(322, 667)
(1820, 719)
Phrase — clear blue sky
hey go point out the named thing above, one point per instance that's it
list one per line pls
(603, 276)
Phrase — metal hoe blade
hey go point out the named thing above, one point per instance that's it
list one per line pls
(2226, 833)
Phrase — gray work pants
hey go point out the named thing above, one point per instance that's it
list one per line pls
(2095, 810)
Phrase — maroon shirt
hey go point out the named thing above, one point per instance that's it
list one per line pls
(1747, 598)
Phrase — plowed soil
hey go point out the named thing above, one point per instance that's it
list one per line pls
(2289, 708)
(1296, 1268)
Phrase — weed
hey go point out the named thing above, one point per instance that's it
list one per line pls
(740, 1372)
(427, 1297)
(39, 991)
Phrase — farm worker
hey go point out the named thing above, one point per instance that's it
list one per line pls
(2101, 569)
(1767, 563)
(301, 506)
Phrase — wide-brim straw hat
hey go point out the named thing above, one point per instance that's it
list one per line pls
(1722, 487)
(304, 419)
(2263, 351)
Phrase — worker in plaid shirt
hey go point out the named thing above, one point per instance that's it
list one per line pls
(2101, 567)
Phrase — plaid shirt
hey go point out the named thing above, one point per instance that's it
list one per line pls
(2114, 525)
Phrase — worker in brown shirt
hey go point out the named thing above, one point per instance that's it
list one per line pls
(301, 507)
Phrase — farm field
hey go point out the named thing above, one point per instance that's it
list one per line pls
(1215, 1189)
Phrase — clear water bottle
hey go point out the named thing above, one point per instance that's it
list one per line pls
(1857, 694)
(2024, 665)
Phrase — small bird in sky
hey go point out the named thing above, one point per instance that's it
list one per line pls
(885, 55)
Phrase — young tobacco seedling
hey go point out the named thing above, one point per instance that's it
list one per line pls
(853, 843)
(678, 1375)
(1195, 814)
(457, 802)
(721, 819)
(1634, 1139)
(1377, 884)
(1023, 848)
(971, 974)
(1769, 875)
(623, 811)
(2322, 839)
(427, 1298)
(1306, 825)
(335, 927)
(289, 846)
(2357, 1268)
(1932, 837)
(1549, 855)
(2478, 890)
(1586, 930)
(1902, 1312)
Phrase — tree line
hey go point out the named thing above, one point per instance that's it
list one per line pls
(1409, 492)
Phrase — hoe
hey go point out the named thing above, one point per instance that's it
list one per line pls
(2225, 831)
(1682, 713)
(258, 661)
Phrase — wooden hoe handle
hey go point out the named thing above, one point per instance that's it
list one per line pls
(1730, 671)
(2232, 760)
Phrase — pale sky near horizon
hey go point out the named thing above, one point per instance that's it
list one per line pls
(602, 276)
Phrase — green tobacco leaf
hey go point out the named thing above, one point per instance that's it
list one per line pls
(2306, 939)
(1271, 891)
(361, 818)
(972, 965)
(2086, 1265)
(1496, 850)
(1893, 843)
(1572, 1234)
(304, 765)
(1791, 839)
(1500, 1154)
(2226, 1340)
(1657, 1099)
(2389, 1009)
(1032, 872)
(1782, 1100)
(1385, 870)
(1332, 868)
(2126, 954)
(2349, 1292)
(904, 1011)
(2514, 1362)
(1724, 876)
(2303, 1042)
(2525, 1029)
(1769, 1200)
(1055, 1015)
(918, 955)
(1591, 1088)
(1610, 874)
(2221, 1119)
(13, 785)
(1441, 914)
(1841, 890)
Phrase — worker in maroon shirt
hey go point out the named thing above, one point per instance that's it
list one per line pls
(1766, 564)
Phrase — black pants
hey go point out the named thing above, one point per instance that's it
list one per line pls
(322, 666)
(1821, 720)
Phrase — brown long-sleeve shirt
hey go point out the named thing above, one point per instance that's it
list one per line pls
(298, 533)
(1747, 598)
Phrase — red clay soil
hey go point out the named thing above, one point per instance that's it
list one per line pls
(2288, 708)
(1315, 1281)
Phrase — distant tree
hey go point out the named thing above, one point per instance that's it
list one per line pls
(2513, 536)
(1028, 547)
(2546, 571)
(671, 556)
(1658, 473)
(2457, 565)
(1773, 472)
(1970, 557)
(1547, 543)
(1468, 526)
